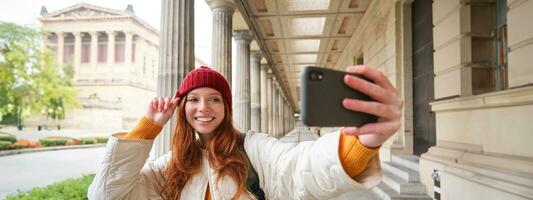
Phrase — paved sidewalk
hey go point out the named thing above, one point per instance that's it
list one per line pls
(299, 135)
(26, 171)
(52, 148)
(35, 135)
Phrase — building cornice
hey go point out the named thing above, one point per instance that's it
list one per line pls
(117, 14)
(511, 97)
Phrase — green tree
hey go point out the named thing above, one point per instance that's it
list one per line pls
(31, 81)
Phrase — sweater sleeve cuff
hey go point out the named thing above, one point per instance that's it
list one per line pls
(145, 129)
(353, 155)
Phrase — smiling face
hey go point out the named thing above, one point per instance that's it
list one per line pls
(204, 109)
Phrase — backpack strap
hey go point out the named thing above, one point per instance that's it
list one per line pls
(252, 182)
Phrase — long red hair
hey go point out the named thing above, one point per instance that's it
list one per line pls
(186, 160)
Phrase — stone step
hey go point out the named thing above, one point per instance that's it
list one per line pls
(405, 173)
(402, 186)
(359, 195)
(409, 161)
(382, 191)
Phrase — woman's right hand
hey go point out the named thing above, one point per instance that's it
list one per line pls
(161, 110)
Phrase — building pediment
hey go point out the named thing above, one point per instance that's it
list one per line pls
(61, 20)
(83, 10)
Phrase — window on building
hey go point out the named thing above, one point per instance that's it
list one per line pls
(119, 47)
(102, 49)
(488, 46)
(68, 53)
(86, 49)
(133, 52)
(119, 52)
(358, 60)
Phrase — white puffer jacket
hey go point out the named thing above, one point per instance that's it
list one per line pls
(307, 170)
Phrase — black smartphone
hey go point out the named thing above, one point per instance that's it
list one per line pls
(322, 93)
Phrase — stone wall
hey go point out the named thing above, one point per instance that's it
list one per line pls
(520, 42)
(96, 118)
(134, 100)
(493, 115)
(379, 42)
(483, 149)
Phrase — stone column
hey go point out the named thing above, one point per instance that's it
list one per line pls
(255, 88)
(275, 110)
(60, 47)
(110, 47)
(280, 112)
(290, 117)
(77, 53)
(264, 98)
(94, 48)
(294, 120)
(287, 117)
(128, 49)
(176, 59)
(285, 113)
(284, 117)
(270, 103)
(221, 41)
(241, 101)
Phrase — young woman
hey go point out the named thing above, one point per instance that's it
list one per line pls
(208, 162)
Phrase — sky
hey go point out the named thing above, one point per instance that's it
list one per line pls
(27, 12)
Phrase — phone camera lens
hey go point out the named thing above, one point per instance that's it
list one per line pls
(316, 76)
(313, 76)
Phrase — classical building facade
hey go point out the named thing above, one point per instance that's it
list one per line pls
(114, 55)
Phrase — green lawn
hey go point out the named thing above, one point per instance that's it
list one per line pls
(70, 189)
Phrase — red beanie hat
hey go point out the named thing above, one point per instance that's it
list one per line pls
(206, 77)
